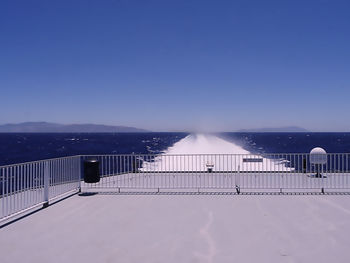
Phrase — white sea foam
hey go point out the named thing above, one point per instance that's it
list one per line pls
(198, 152)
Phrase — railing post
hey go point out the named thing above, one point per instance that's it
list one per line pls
(322, 176)
(46, 183)
(237, 180)
(79, 161)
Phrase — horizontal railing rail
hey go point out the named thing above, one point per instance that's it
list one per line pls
(26, 185)
(221, 171)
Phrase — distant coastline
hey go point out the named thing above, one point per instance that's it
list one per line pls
(47, 127)
(279, 129)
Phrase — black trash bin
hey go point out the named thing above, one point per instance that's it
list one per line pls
(91, 171)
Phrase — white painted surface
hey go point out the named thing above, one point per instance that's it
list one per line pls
(188, 228)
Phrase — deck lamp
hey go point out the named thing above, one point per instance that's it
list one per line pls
(318, 158)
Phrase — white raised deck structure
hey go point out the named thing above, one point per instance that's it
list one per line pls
(172, 208)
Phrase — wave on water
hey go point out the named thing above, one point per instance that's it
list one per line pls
(200, 152)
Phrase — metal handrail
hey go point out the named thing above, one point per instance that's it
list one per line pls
(27, 185)
(30, 184)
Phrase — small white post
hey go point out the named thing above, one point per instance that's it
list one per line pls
(46, 183)
(237, 180)
(79, 160)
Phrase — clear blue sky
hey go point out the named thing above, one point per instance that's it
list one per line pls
(176, 65)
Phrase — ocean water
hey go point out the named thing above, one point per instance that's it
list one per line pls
(24, 147)
(335, 142)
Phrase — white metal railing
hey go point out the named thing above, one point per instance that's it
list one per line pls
(24, 186)
(221, 171)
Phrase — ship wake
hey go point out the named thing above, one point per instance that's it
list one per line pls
(202, 152)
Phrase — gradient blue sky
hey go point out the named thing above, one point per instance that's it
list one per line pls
(177, 65)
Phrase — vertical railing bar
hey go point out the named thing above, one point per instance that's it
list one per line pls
(3, 197)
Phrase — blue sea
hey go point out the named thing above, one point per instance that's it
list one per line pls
(300, 142)
(24, 147)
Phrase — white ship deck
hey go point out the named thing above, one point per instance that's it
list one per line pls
(172, 209)
(221, 181)
(183, 228)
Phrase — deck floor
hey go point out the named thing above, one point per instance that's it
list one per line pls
(223, 180)
(183, 228)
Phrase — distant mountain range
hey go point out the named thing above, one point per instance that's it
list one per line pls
(62, 128)
(281, 129)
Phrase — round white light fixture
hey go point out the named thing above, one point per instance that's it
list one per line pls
(318, 157)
